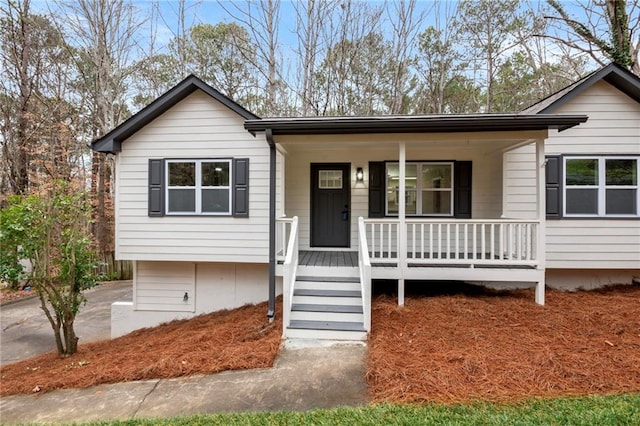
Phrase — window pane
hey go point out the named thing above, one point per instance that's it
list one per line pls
(411, 176)
(215, 174)
(215, 200)
(410, 202)
(621, 201)
(330, 179)
(436, 176)
(436, 202)
(582, 201)
(621, 172)
(582, 172)
(182, 200)
(182, 174)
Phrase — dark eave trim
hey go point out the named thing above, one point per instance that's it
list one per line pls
(415, 124)
(111, 142)
(614, 74)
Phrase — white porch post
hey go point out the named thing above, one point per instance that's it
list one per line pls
(402, 240)
(542, 212)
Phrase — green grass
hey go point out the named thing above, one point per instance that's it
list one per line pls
(591, 410)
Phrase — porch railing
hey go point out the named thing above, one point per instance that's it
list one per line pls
(290, 268)
(499, 242)
(283, 231)
(364, 266)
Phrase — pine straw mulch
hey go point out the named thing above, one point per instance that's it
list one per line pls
(501, 347)
(225, 340)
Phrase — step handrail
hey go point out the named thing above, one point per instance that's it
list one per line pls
(364, 265)
(289, 272)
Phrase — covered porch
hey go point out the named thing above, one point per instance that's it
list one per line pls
(411, 198)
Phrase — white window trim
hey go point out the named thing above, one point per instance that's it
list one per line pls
(198, 187)
(419, 188)
(601, 186)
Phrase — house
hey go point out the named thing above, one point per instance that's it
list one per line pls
(217, 207)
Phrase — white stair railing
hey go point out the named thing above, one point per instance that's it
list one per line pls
(283, 231)
(364, 265)
(290, 268)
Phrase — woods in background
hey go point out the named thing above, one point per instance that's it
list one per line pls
(73, 70)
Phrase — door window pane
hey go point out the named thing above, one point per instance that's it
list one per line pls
(215, 174)
(330, 179)
(582, 171)
(621, 201)
(182, 174)
(621, 172)
(582, 201)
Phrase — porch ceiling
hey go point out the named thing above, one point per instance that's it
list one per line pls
(415, 124)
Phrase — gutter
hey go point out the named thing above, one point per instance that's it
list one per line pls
(271, 312)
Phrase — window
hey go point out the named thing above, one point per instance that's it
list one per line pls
(601, 186)
(198, 187)
(428, 186)
(329, 179)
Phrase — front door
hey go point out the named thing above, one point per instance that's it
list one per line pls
(330, 195)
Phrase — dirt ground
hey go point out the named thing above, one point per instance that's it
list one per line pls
(469, 344)
(7, 295)
(227, 340)
(500, 346)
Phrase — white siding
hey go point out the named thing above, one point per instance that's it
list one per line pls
(197, 127)
(161, 286)
(210, 286)
(613, 127)
(159, 289)
(487, 175)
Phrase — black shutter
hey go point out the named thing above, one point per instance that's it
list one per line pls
(553, 176)
(462, 189)
(241, 187)
(376, 189)
(156, 187)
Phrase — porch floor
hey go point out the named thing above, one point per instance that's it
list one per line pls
(328, 258)
(350, 259)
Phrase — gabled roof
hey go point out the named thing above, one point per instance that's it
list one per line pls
(110, 143)
(414, 124)
(614, 74)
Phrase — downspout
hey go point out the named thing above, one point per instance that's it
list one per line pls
(272, 225)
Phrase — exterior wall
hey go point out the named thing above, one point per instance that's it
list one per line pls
(196, 127)
(159, 289)
(487, 175)
(613, 128)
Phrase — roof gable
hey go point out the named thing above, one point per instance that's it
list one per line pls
(111, 142)
(614, 74)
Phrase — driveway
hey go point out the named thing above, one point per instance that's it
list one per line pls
(26, 331)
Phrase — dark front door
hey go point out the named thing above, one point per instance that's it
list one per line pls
(330, 212)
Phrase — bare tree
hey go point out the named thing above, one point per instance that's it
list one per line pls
(261, 19)
(104, 33)
(406, 21)
(606, 30)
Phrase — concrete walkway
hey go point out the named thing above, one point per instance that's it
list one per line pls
(26, 332)
(301, 379)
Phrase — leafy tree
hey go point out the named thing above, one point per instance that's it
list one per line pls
(51, 232)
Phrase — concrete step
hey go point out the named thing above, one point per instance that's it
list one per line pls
(347, 317)
(328, 285)
(299, 333)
